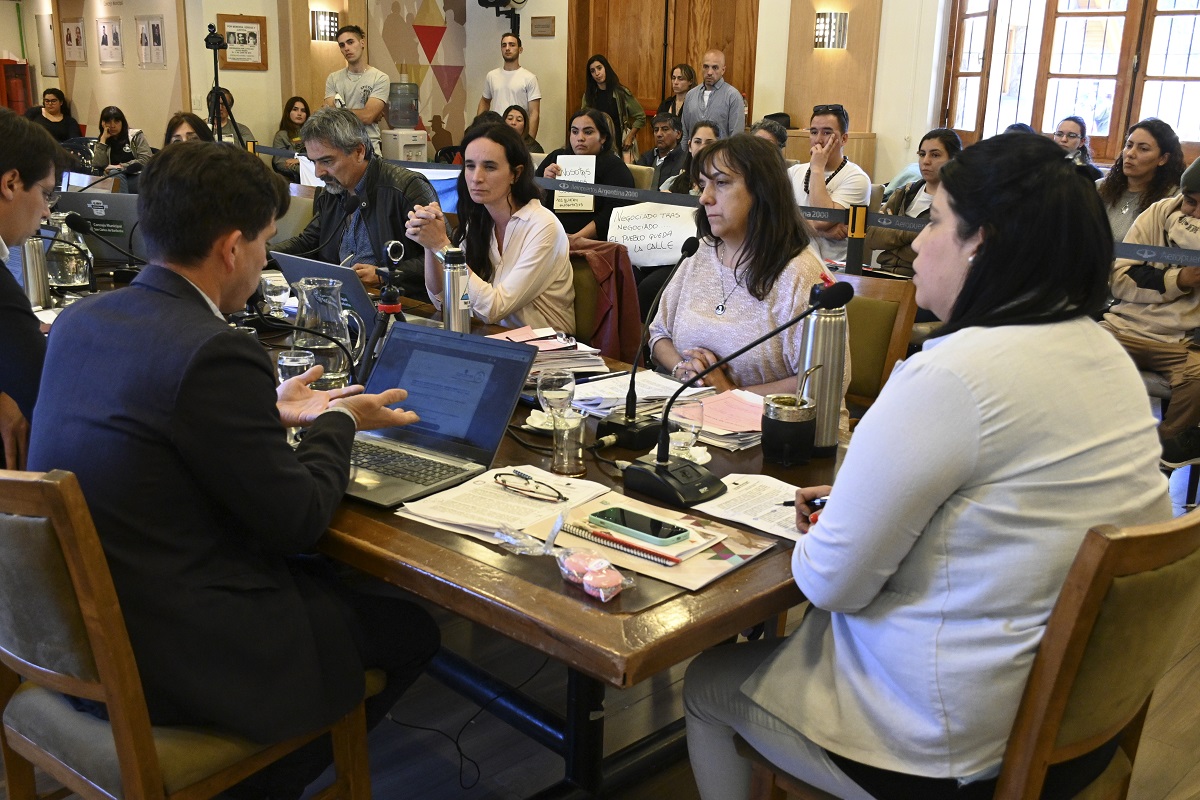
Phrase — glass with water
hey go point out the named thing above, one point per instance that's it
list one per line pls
(290, 364)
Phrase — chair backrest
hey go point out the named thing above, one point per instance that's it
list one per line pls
(60, 622)
(299, 213)
(1112, 634)
(587, 289)
(880, 320)
(643, 177)
(876, 201)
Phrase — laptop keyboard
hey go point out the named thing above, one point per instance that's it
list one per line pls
(386, 461)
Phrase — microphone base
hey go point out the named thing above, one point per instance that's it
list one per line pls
(639, 433)
(678, 482)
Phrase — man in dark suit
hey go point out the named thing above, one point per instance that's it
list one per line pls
(174, 427)
(30, 160)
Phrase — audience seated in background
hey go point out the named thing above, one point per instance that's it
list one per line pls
(668, 155)
(54, 114)
(295, 114)
(895, 246)
(1147, 171)
(703, 133)
(207, 516)
(219, 109)
(30, 164)
(518, 119)
(589, 134)
(772, 131)
(365, 203)
(1071, 135)
(956, 514)
(753, 270)
(830, 179)
(517, 251)
(118, 144)
(603, 91)
(185, 127)
(715, 99)
(1158, 312)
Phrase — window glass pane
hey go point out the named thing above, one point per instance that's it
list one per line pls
(977, 6)
(966, 102)
(1016, 51)
(1087, 45)
(1175, 102)
(1175, 46)
(974, 31)
(1093, 5)
(1178, 5)
(1087, 98)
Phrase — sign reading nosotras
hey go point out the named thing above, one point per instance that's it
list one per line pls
(581, 169)
(653, 233)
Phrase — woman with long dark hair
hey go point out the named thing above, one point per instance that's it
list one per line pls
(517, 251)
(703, 133)
(1147, 171)
(185, 126)
(118, 144)
(957, 512)
(517, 118)
(295, 113)
(54, 114)
(603, 91)
(913, 200)
(589, 133)
(1072, 136)
(753, 271)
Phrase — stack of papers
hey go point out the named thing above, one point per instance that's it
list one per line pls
(555, 351)
(598, 398)
(732, 420)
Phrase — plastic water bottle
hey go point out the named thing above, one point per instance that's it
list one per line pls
(456, 311)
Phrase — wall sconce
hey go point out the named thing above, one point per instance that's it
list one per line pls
(324, 26)
(831, 30)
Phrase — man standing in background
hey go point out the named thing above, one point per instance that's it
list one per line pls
(714, 99)
(512, 85)
(359, 87)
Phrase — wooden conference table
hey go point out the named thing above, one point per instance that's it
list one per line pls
(635, 636)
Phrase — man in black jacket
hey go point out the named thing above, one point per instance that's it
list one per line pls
(30, 160)
(365, 203)
(205, 513)
(667, 155)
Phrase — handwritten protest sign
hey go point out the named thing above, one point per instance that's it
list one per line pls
(581, 169)
(653, 233)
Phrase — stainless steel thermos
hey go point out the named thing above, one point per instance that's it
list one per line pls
(456, 310)
(825, 344)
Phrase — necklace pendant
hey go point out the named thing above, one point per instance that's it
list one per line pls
(720, 309)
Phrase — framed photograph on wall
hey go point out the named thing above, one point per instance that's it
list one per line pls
(149, 37)
(112, 49)
(246, 38)
(74, 51)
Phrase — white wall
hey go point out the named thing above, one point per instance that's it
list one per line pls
(774, 17)
(10, 38)
(908, 84)
(258, 96)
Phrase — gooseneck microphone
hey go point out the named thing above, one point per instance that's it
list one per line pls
(129, 170)
(633, 431)
(353, 203)
(682, 482)
(79, 224)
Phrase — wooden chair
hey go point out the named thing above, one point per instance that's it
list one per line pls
(1111, 637)
(643, 177)
(61, 631)
(880, 320)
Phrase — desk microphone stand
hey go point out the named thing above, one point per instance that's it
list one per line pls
(388, 308)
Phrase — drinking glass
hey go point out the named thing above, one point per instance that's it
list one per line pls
(556, 390)
(276, 291)
(290, 364)
(568, 444)
(684, 423)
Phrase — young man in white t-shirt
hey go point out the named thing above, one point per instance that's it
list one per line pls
(829, 179)
(512, 85)
(359, 87)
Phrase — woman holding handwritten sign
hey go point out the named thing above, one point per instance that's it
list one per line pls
(590, 135)
(516, 250)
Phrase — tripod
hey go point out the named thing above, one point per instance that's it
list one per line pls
(390, 292)
(217, 97)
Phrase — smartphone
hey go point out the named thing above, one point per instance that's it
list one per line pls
(639, 526)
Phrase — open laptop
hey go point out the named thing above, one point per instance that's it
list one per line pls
(463, 387)
(353, 292)
(114, 219)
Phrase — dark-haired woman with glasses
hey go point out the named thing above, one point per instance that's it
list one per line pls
(956, 514)
(1071, 135)
(118, 144)
(1147, 171)
(55, 116)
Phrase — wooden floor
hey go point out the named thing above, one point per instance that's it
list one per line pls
(411, 763)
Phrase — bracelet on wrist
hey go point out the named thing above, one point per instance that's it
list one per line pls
(675, 368)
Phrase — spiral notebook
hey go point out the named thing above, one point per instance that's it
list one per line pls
(606, 539)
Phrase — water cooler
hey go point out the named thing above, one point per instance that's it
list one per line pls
(403, 142)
